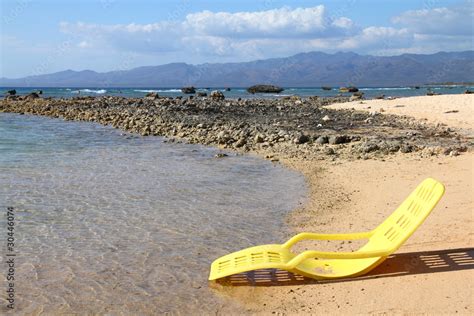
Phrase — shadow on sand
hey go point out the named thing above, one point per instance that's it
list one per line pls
(395, 265)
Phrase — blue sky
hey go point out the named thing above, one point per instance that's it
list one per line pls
(46, 36)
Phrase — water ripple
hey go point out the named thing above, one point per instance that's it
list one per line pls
(114, 224)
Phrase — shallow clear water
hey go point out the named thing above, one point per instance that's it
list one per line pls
(109, 222)
(369, 92)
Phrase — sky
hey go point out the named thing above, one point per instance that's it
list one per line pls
(46, 36)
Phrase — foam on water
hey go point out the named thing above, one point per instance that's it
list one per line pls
(114, 223)
(386, 89)
(99, 91)
(158, 90)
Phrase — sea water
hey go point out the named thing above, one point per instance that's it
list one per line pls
(369, 92)
(108, 222)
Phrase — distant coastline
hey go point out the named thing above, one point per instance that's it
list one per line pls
(314, 69)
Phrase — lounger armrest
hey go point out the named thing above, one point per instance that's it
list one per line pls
(313, 236)
(311, 254)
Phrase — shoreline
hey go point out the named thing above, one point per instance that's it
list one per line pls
(342, 200)
(299, 149)
(287, 127)
(346, 187)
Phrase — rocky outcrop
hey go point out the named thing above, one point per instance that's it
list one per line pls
(263, 88)
(152, 96)
(188, 90)
(348, 89)
(326, 88)
(289, 127)
(32, 95)
(217, 95)
(357, 96)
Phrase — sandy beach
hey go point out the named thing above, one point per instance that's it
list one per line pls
(431, 273)
(359, 163)
(453, 110)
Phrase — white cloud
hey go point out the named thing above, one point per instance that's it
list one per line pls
(276, 23)
(220, 34)
(442, 21)
(84, 44)
(151, 38)
(439, 29)
(343, 22)
(378, 39)
(224, 36)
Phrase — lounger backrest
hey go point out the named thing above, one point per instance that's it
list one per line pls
(399, 226)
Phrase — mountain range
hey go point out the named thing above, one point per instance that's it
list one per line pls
(302, 70)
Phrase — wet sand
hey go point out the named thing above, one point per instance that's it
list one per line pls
(431, 273)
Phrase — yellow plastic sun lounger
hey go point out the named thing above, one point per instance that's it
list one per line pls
(382, 241)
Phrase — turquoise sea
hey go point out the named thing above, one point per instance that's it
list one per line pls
(369, 92)
(113, 223)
